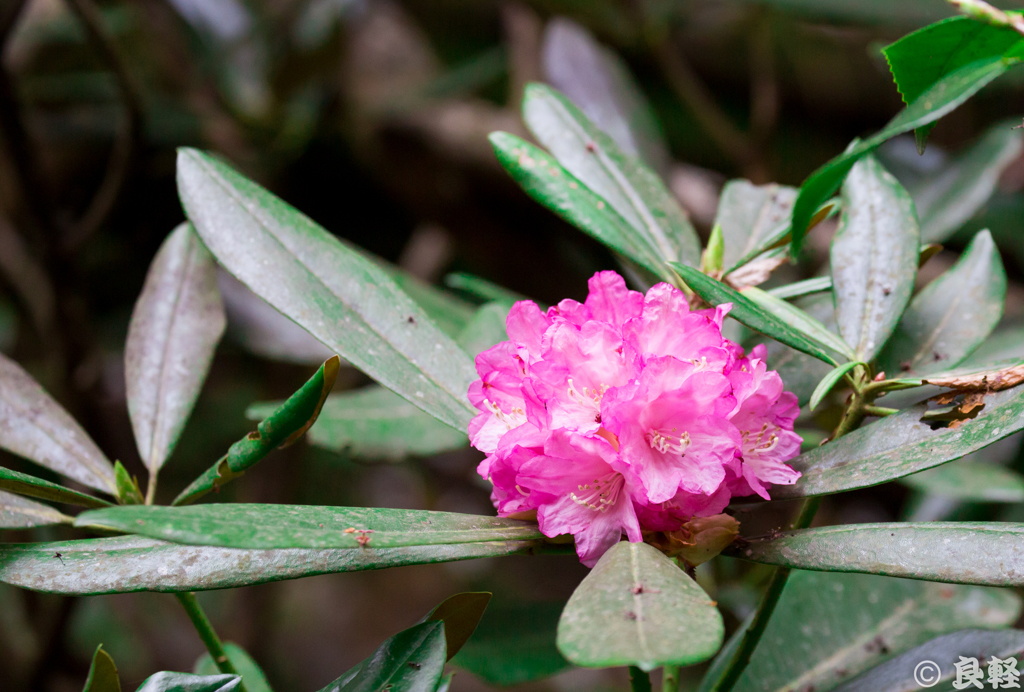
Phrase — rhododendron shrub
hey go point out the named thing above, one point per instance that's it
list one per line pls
(627, 413)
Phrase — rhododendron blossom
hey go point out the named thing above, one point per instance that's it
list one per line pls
(626, 413)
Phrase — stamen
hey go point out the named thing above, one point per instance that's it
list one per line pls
(665, 443)
(601, 493)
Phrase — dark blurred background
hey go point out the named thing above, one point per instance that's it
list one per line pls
(371, 117)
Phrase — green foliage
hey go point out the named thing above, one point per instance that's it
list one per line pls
(628, 610)
(982, 553)
(17, 512)
(102, 673)
(749, 215)
(286, 424)
(262, 527)
(130, 563)
(514, 644)
(754, 315)
(253, 676)
(970, 481)
(831, 380)
(460, 614)
(30, 486)
(175, 327)
(183, 682)
(632, 189)
(828, 628)
(411, 660)
(874, 257)
(899, 445)
(952, 315)
(339, 296)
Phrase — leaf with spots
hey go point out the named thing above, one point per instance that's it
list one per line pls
(984, 553)
(130, 563)
(830, 627)
(638, 608)
(632, 189)
(952, 315)
(256, 526)
(342, 298)
(874, 257)
(17, 512)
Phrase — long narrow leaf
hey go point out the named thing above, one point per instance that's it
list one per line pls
(17, 512)
(339, 296)
(30, 486)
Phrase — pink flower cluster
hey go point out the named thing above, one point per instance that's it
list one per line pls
(626, 413)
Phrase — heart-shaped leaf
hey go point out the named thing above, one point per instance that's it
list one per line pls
(899, 445)
(898, 674)
(339, 296)
(286, 424)
(749, 214)
(102, 673)
(374, 423)
(629, 187)
(411, 661)
(130, 563)
(36, 427)
(30, 486)
(263, 527)
(952, 315)
(830, 627)
(175, 326)
(253, 676)
(874, 257)
(989, 554)
(638, 608)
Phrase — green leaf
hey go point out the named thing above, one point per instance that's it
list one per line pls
(830, 627)
(818, 284)
(343, 299)
(486, 329)
(544, 179)
(946, 200)
(796, 318)
(259, 527)
(451, 314)
(800, 372)
(874, 257)
(914, 59)
(411, 661)
(749, 214)
(899, 445)
(952, 315)
(638, 608)
(941, 98)
(183, 682)
(970, 482)
(17, 512)
(130, 563)
(514, 644)
(34, 426)
(897, 674)
(830, 380)
(748, 312)
(30, 486)
(599, 82)
(374, 423)
(460, 614)
(983, 553)
(481, 288)
(175, 326)
(252, 675)
(285, 425)
(102, 673)
(128, 492)
(622, 181)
